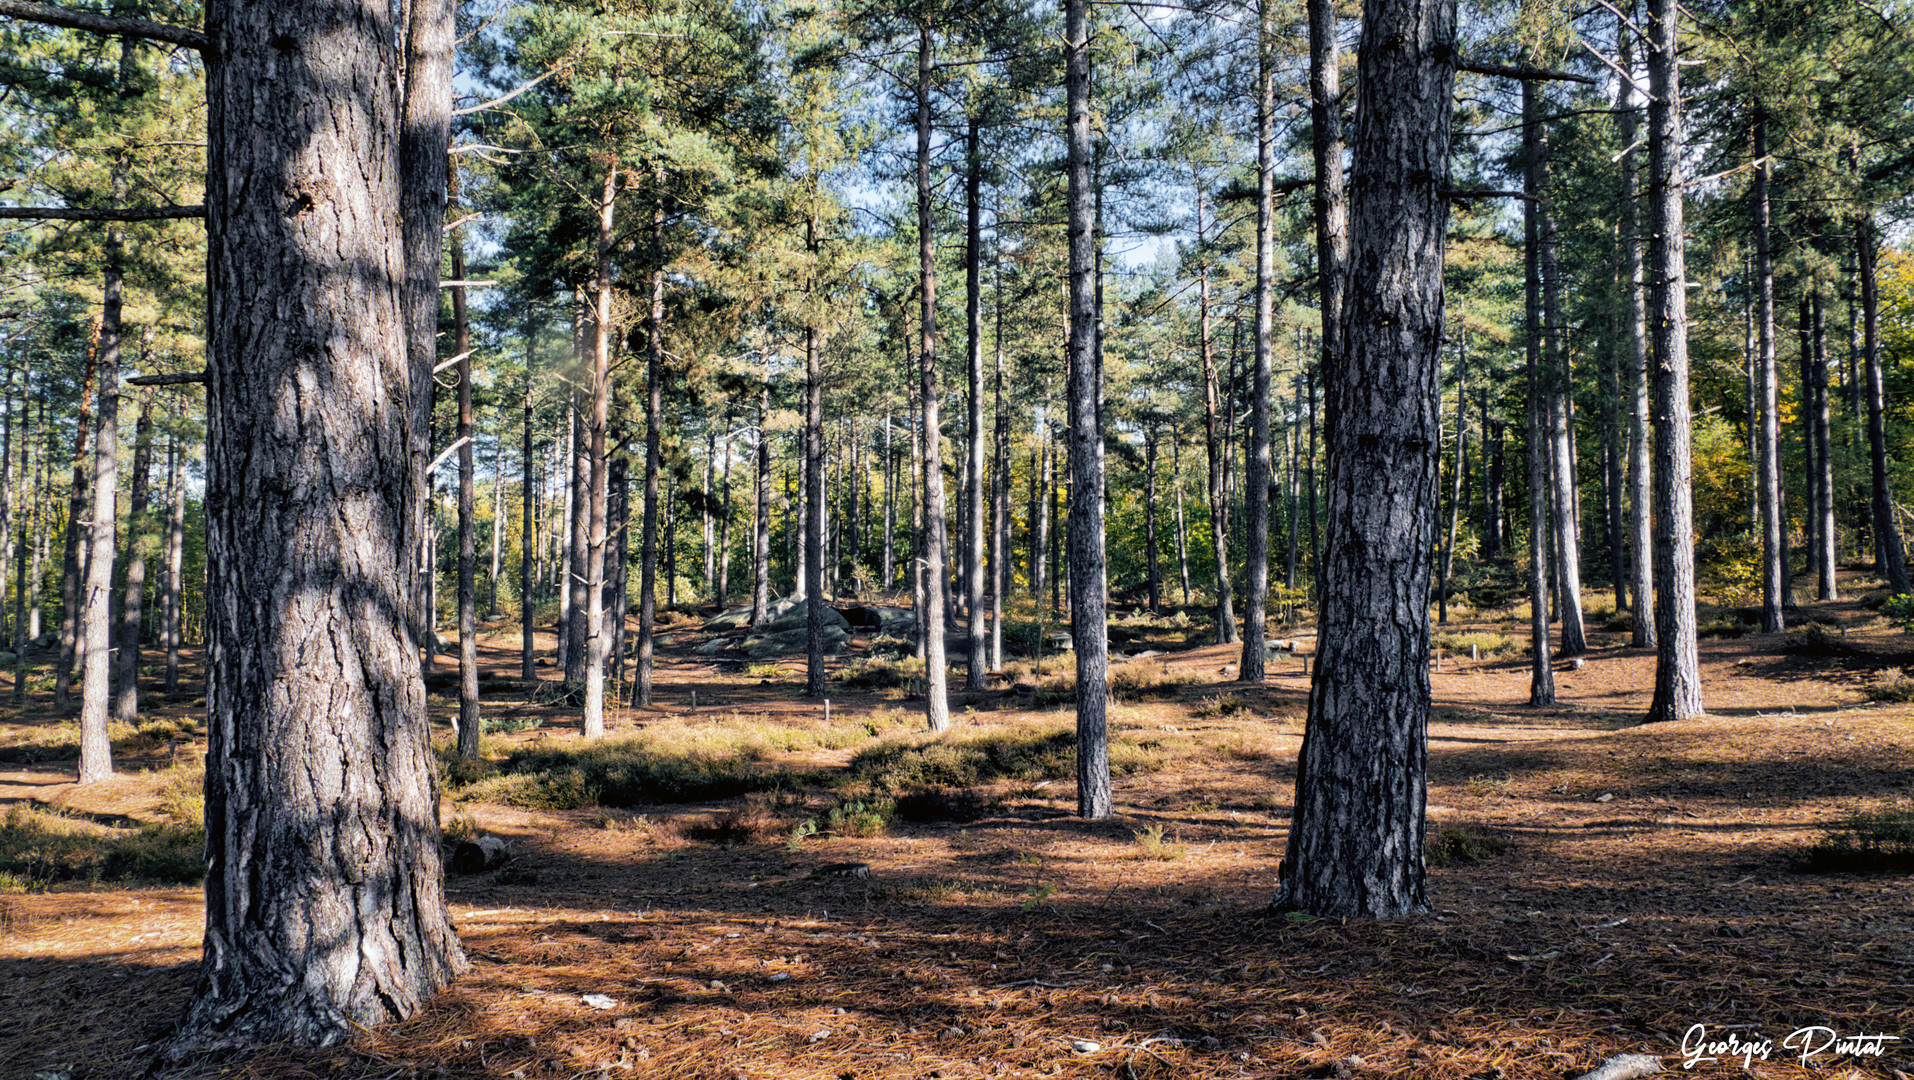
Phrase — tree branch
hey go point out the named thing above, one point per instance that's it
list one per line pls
(1519, 71)
(50, 15)
(1466, 194)
(175, 379)
(125, 213)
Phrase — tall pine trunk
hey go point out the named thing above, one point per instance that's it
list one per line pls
(1677, 670)
(126, 692)
(325, 911)
(1215, 435)
(1356, 838)
(654, 431)
(1887, 530)
(1641, 544)
(974, 460)
(1087, 573)
(592, 579)
(1258, 481)
(468, 516)
(1767, 393)
(931, 558)
(95, 626)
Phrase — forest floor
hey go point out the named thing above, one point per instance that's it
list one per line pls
(1598, 887)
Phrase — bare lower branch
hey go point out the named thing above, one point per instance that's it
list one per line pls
(175, 379)
(50, 15)
(1520, 71)
(110, 213)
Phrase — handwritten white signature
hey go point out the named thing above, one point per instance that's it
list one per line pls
(1808, 1043)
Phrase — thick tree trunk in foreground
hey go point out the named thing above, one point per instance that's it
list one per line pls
(1677, 670)
(1768, 424)
(1356, 839)
(325, 910)
(1087, 573)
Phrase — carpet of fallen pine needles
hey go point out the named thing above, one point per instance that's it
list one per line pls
(1641, 880)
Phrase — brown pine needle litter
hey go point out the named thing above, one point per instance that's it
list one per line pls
(649, 941)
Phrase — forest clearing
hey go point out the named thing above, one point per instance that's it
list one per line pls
(1599, 886)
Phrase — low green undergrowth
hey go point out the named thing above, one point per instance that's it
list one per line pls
(38, 850)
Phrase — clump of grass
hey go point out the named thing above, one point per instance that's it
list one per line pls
(38, 850)
(1222, 705)
(860, 818)
(1139, 679)
(879, 672)
(1487, 643)
(750, 823)
(931, 805)
(1878, 843)
(182, 794)
(1455, 844)
(1240, 747)
(462, 828)
(1151, 843)
(1818, 639)
(62, 742)
(1726, 627)
(982, 755)
(1891, 685)
(763, 671)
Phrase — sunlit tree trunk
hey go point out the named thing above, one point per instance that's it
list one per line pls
(1087, 573)
(1356, 837)
(1677, 670)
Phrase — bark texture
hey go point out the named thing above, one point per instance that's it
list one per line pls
(324, 904)
(1087, 571)
(1356, 839)
(931, 561)
(1768, 423)
(1677, 670)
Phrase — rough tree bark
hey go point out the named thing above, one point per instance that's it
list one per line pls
(1768, 425)
(469, 724)
(975, 664)
(654, 433)
(1640, 517)
(591, 578)
(1356, 839)
(126, 691)
(95, 627)
(1257, 483)
(1677, 670)
(1087, 573)
(813, 525)
(931, 564)
(1887, 530)
(1214, 437)
(324, 889)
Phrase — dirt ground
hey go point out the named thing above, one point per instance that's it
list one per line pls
(1646, 883)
